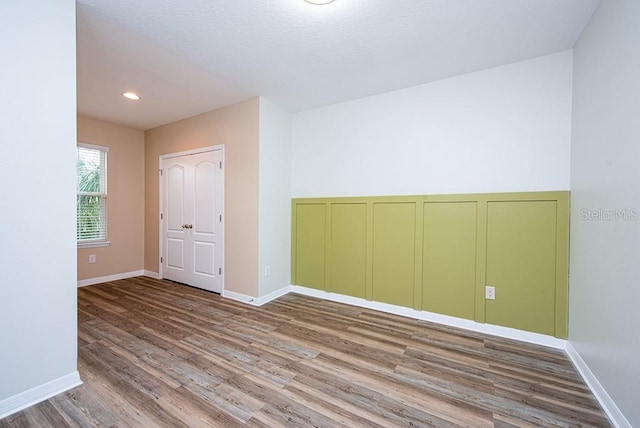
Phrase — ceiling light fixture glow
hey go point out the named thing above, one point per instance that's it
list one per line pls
(319, 2)
(131, 96)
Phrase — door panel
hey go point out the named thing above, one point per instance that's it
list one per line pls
(175, 201)
(193, 223)
(175, 233)
(204, 203)
(204, 221)
(204, 263)
(175, 252)
(521, 264)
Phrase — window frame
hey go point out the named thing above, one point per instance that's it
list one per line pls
(99, 242)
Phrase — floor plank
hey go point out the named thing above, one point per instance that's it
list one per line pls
(154, 353)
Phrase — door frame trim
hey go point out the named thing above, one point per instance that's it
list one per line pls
(164, 157)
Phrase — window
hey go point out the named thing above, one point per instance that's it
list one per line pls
(91, 171)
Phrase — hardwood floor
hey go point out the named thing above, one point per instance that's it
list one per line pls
(157, 354)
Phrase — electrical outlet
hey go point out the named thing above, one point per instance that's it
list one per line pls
(92, 258)
(490, 292)
(267, 270)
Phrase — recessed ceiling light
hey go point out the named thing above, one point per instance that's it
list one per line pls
(319, 2)
(131, 95)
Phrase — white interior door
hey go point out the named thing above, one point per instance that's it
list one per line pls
(191, 219)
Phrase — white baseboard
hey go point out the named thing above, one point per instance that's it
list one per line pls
(151, 274)
(250, 300)
(273, 295)
(256, 301)
(495, 330)
(35, 395)
(607, 403)
(101, 279)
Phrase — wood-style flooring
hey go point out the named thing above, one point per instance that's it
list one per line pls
(157, 354)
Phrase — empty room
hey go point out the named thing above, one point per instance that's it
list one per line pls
(320, 213)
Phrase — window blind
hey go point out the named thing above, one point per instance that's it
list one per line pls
(91, 187)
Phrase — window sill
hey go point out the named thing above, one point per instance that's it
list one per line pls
(94, 244)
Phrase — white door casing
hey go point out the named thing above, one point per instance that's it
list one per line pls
(191, 218)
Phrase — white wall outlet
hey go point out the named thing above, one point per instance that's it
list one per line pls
(92, 258)
(267, 270)
(490, 292)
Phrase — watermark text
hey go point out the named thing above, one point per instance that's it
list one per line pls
(626, 214)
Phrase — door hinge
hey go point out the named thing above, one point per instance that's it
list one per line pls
(220, 164)
(220, 217)
(160, 259)
(219, 271)
(161, 216)
(160, 172)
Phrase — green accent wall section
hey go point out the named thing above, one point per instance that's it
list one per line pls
(394, 236)
(521, 264)
(449, 258)
(438, 252)
(310, 245)
(349, 249)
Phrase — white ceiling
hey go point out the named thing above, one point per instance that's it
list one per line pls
(186, 57)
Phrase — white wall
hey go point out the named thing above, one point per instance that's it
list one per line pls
(37, 200)
(502, 129)
(274, 242)
(605, 175)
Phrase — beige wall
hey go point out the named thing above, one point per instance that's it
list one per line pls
(236, 127)
(125, 200)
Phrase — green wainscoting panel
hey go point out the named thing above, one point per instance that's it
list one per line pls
(562, 267)
(310, 245)
(394, 241)
(521, 264)
(449, 258)
(437, 253)
(349, 249)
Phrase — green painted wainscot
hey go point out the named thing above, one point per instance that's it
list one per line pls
(437, 254)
